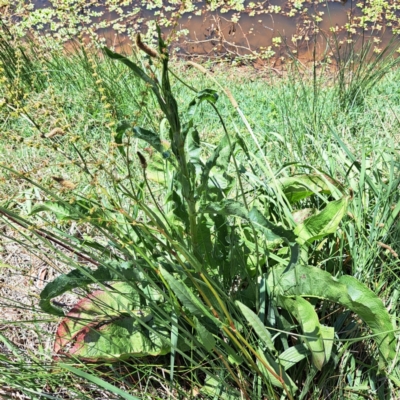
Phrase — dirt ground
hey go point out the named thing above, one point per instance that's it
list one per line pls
(22, 277)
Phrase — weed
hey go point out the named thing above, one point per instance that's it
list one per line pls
(229, 264)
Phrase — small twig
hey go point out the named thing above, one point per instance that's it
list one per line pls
(387, 247)
(245, 36)
(201, 41)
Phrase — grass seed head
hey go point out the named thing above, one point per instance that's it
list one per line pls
(142, 160)
(144, 47)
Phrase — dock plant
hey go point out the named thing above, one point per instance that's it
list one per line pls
(202, 257)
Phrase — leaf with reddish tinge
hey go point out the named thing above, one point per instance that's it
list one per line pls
(108, 326)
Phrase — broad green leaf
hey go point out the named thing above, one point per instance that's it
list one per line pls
(328, 335)
(219, 182)
(62, 210)
(110, 325)
(298, 187)
(234, 208)
(81, 278)
(205, 337)
(226, 208)
(278, 370)
(257, 325)
(293, 355)
(222, 153)
(348, 292)
(204, 95)
(177, 206)
(271, 231)
(305, 314)
(194, 150)
(151, 138)
(219, 159)
(185, 296)
(322, 224)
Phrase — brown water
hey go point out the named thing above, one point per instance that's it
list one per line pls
(218, 34)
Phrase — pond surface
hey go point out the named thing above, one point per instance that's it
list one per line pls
(225, 28)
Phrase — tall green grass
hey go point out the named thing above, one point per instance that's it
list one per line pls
(157, 191)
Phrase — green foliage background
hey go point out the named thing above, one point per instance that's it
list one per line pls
(230, 243)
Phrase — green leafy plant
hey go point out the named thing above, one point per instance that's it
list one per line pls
(189, 255)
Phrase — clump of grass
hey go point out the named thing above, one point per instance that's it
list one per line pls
(360, 66)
